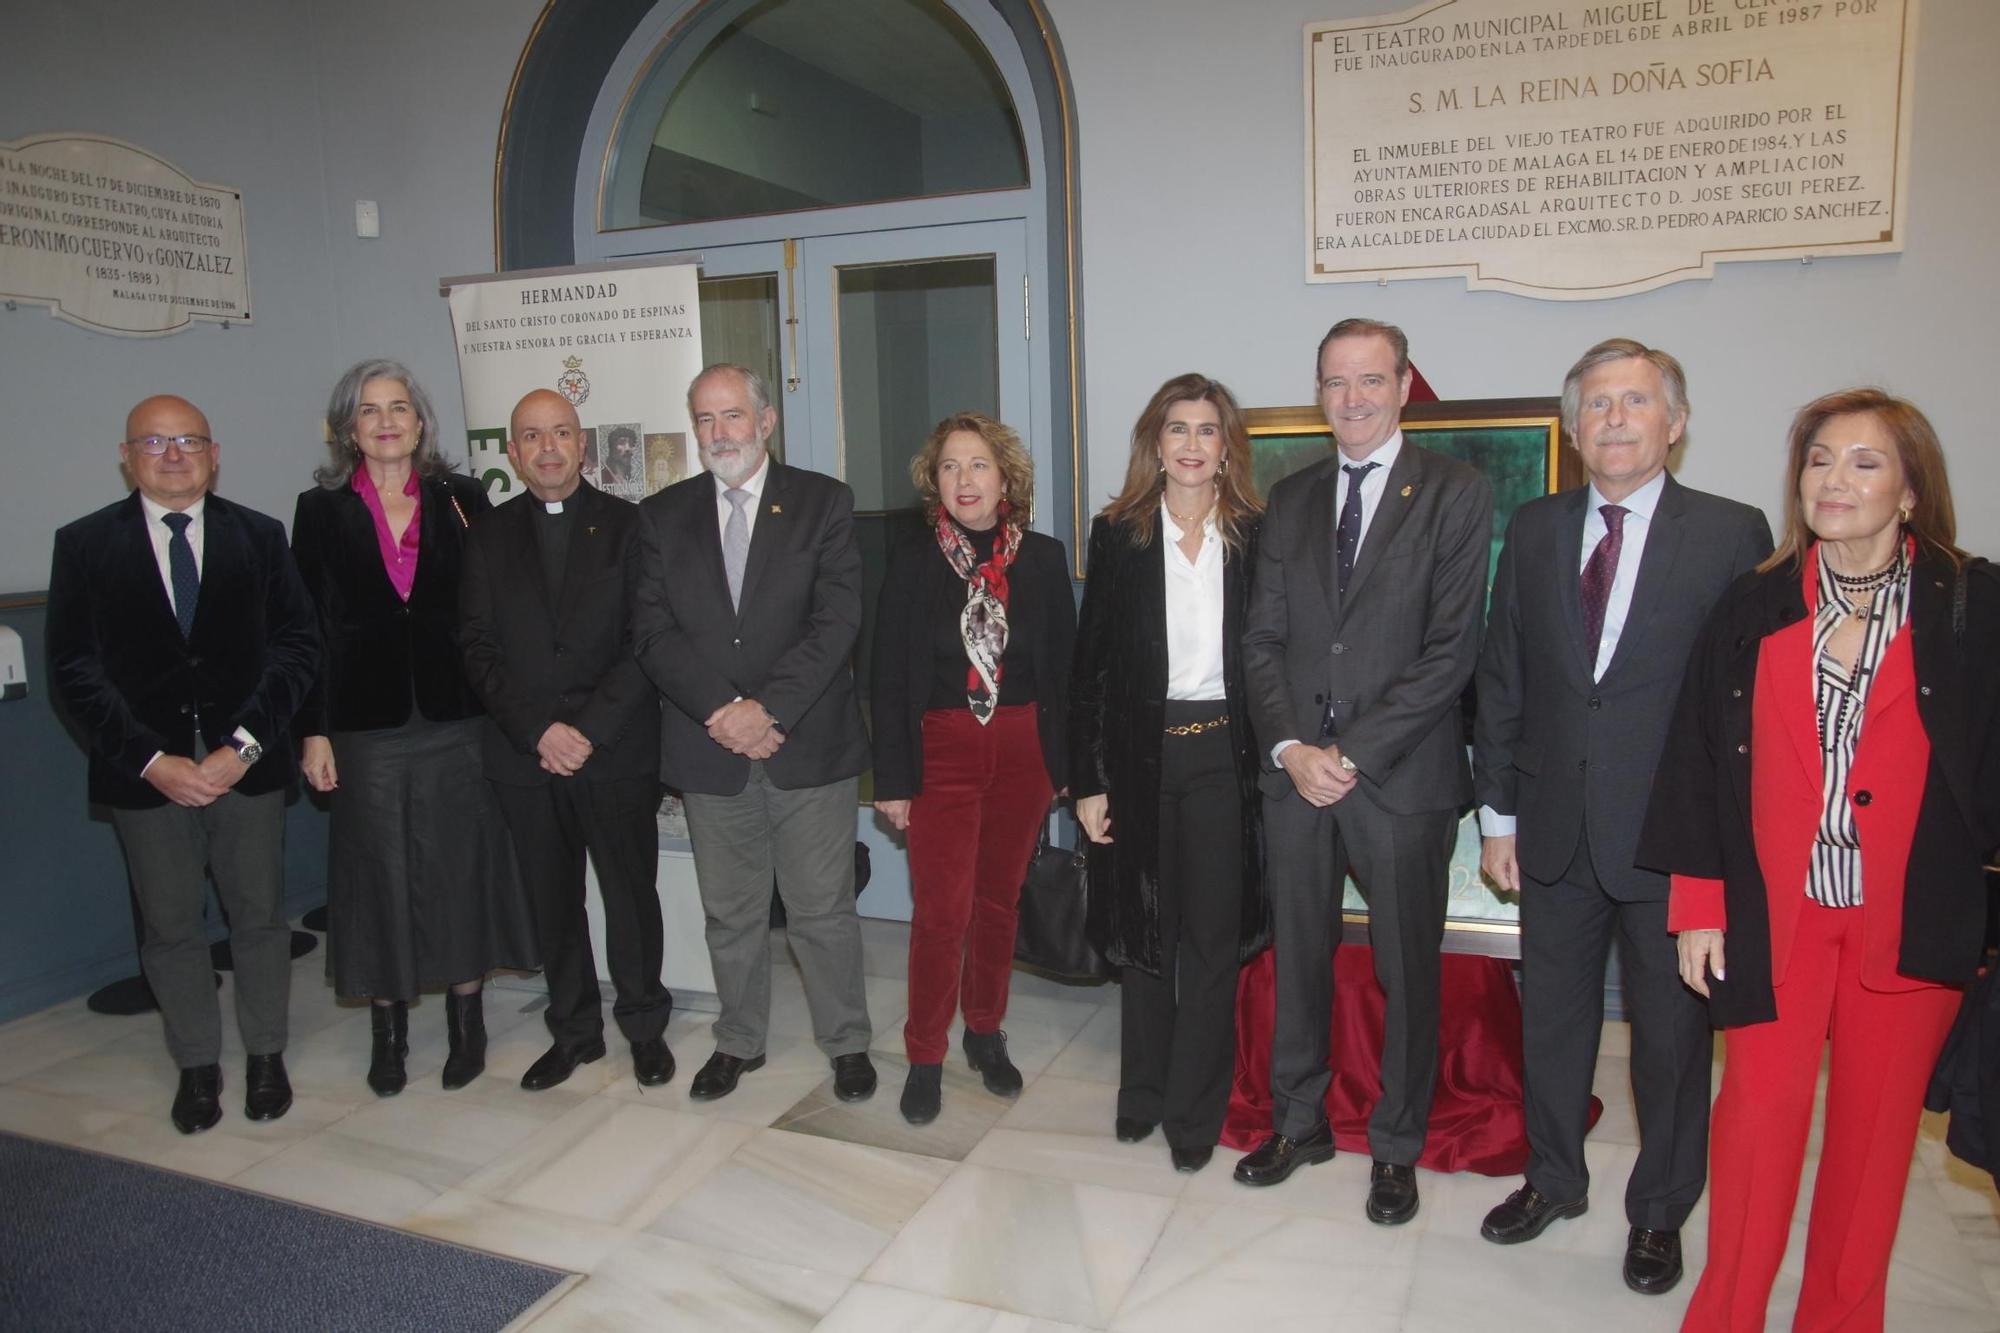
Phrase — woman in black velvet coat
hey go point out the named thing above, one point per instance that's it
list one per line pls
(1163, 762)
(422, 887)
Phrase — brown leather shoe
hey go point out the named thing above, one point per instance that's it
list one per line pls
(1278, 1156)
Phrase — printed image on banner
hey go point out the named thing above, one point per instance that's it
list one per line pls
(620, 342)
(111, 237)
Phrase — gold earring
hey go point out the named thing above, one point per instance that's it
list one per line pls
(1903, 513)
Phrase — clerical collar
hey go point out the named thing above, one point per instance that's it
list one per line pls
(553, 506)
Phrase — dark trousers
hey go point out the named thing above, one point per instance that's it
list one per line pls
(554, 826)
(972, 829)
(1401, 863)
(171, 850)
(1566, 933)
(1178, 1036)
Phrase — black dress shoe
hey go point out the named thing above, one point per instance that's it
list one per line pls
(987, 1053)
(1191, 1160)
(853, 1077)
(1652, 1261)
(198, 1104)
(1392, 1194)
(1526, 1214)
(923, 1096)
(1277, 1157)
(1131, 1129)
(652, 1062)
(718, 1077)
(558, 1062)
(267, 1093)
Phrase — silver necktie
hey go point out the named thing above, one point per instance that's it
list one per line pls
(735, 542)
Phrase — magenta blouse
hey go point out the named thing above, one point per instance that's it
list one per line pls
(399, 559)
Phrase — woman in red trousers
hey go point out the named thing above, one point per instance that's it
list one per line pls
(1828, 797)
(971, 678)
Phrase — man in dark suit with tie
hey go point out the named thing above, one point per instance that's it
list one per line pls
(181, 642)
(1362, 633)
(572, 738)
(749, 603)
(1598, 597)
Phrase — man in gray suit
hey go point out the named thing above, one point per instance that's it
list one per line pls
(749, 601)
(1598, 597)
(1363, 629)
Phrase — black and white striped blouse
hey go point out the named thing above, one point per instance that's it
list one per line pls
(1840, 697)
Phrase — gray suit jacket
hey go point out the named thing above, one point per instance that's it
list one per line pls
(1570, 756)
(1393, 655)
(788, 647)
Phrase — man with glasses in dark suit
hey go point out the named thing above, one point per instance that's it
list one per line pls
(181, 642)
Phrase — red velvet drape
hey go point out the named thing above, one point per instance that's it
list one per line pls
(1476, 1118)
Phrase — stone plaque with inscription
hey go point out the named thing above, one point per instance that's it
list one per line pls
(1570, 150)
(115, 239)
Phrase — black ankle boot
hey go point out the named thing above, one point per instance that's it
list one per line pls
(389, 1030)
(465, 1024)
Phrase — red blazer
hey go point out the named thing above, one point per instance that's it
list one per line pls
(1787, 772)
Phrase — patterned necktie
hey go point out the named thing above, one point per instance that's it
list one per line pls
(735, 542)
(1598, 574)
(181, 571)
(1348, 534)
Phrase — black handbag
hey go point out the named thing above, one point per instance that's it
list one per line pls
(1050, 939)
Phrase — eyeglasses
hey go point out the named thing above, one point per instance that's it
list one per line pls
(155, 445)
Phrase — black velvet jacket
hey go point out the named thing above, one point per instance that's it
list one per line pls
(1700, 822)
(920, 583)
(1118, 696)
(382, 654)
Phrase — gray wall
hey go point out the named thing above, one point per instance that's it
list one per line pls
(1193, 258)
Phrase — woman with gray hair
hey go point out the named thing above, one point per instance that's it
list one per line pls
(422, 888)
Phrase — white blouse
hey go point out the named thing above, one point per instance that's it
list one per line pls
(1194, 611)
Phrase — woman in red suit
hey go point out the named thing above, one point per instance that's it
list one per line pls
(1828, 797)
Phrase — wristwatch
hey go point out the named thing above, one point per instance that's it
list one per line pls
(248, 751)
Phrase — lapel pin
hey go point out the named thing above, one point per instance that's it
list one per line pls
(590, 532)
(1408, 491)
(777, 509)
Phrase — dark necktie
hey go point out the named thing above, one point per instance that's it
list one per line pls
(1598, 574)
(1348, 533)
(181, 571)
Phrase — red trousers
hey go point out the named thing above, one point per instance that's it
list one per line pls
(972, 829)
(1883, 1045)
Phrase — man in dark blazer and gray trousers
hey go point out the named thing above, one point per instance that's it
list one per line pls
(572, 739)
(1362, 633)
(1598, 597)
(748, 607)
(181, 642)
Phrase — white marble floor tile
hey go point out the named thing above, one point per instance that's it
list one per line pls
(350, 1176)
(1335, 1189)
(1222, 1266)
(1466, 1283)
(222, 1153)
(1932, 1265)
(1047, 1248)
(968, 1113)
(65, 1031)
(1092, 1054)
(132, 1073)
(50, 1116)
(611, 1161)
(654, 1283)
(1063, 1128)
(871, 1308)
(1037, 1028)
(557, 1240)
(797, 1198)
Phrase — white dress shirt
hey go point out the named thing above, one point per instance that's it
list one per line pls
(160, 535)
(1372, 487)
(1194, 611)
(754, 483)
(1639, 508)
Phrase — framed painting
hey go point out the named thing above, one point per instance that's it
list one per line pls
(1517, 443)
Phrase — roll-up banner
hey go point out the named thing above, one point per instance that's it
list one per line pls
(621, 341)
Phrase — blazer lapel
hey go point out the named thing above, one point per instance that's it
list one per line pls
(768, 533)
(151, 594)
(222, 559)
(1400, 490)
(1569, 577)
(1787, 655)
(586, 547)
(1656, 568)
(522, 549)
(1321, 526)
